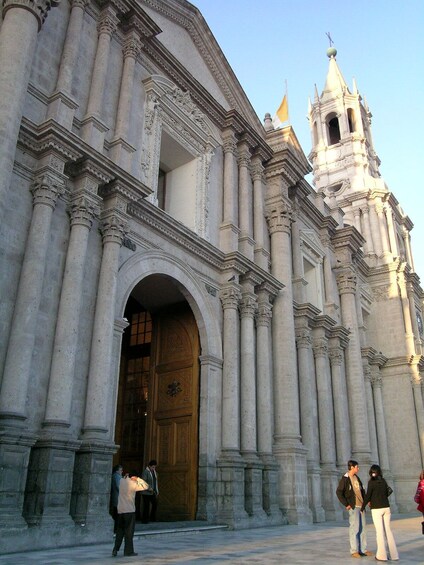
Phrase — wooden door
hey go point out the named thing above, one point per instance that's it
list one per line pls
(173, 412)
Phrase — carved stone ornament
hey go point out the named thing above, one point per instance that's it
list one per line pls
(37, 7)
(230, 297)
(174, 388)
(381, 293)
(46, 189)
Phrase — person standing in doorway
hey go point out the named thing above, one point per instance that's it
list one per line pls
(150, 497)
(114, 494)
(128, 486)
(378, 492)
(351, 494)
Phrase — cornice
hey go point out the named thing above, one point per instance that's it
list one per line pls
(38, 138)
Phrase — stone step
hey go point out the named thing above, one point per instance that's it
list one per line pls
(175, 528)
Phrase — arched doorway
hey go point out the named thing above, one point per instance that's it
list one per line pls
(158, 399)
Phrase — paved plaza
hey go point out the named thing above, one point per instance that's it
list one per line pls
(314, 543)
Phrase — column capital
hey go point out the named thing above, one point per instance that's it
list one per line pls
(230, 297)
(279, 217)
(244, 154)
(346, 282)
(257, 169)
(248, 306)
(113, 228)
(264, 314)
(229, 142)
(303, 339)
(46, 189)
(38, 8)
(132, 45)
(335, 355)
(82, 210)
(108, 21)
(320, 347)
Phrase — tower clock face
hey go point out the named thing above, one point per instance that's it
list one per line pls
(420, 324)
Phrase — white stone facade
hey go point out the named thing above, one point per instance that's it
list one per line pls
(308, 310)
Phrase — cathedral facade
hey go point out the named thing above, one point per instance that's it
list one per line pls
(172, 287)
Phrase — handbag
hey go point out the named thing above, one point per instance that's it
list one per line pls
(389, 490)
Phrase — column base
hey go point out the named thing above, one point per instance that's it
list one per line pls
(270, 491)
(329, 481)
(228, 237)
(253, 487)
(49, 482)
(230, 491)
(121, 153)
(293, 480)
(61, 109)
(15, 449)
(91, 483)
(93, 132)
(315, 498)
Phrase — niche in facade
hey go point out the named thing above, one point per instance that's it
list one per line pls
(333, 129)
(351, 120)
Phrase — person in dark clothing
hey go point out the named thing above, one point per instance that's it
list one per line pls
(377, 497)
(150, 497)
(351, 493)
(114, 493)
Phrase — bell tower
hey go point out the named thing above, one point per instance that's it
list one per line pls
(346, 168)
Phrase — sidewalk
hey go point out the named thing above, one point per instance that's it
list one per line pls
(320, 544)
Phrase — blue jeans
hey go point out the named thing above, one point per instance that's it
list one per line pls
(357, 531)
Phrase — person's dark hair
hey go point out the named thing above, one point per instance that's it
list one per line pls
(375, 472)
(152, 462)
(351, 463)
(116, 468)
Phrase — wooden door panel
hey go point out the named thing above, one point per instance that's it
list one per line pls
(174, 414)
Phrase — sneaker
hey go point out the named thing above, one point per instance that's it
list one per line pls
(356, 554)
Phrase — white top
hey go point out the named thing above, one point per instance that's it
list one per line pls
(127, 489)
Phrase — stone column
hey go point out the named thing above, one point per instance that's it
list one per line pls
(329, 475)
(231, 475)
(62, 106)
(341, 411)
(92, 128)
(329, 283)
(377, 384)
(299, 282)
(392, 235)
(230, 297)
(121, 150)
(370, 409)
(288, 449)
(417, 389)
(96, 421)
(357, 219)
(346, 281)
(407, 243)
(382, 224)
(264, 406)
(413, 313)
(309, 416)
(259, 224)
(229, 226)
(246, 242)
(15, 441)
(369, 244)
(13, 398)
(22, 19)
(375, 229)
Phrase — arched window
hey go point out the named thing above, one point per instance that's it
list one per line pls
(333, 129)
(351, 119)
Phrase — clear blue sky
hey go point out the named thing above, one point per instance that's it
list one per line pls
(380, 43)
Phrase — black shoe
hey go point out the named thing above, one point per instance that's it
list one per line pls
(130, 554)
(114, 553)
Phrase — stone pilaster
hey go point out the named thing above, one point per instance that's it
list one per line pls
(62, 106)
(121, 150)
(246, 242)
(346, 282)
(392, 234)
(368, 244)
(288, 449)
(22, 19)
(229, 226)
(370, 405)
(93, 129)
(382, 223)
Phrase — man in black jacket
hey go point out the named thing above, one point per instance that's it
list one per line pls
(351, 494)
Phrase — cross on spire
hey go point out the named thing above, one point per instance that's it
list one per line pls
(327, 33)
